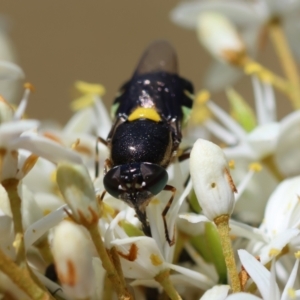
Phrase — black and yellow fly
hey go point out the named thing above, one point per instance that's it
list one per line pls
(149, 112)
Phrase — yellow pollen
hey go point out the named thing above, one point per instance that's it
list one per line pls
(108, 210)
(292, 293)
(144, 113)
(155, 201)
(53, 176)
(202, 97)
(255, 68)
(255, 167)
(297, 254)
(29, 86)
(75, 144)
(82, 102)
(155, 260)
(231, 164)
(200, 113)
(90, 88)
(46, 212)
(252, 68)
(274, 252)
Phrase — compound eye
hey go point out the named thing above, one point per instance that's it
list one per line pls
(155, 177)
(111, 182)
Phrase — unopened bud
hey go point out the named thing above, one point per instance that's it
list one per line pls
(211, 179)
(220, 38)
(73, 260)
(78, 190)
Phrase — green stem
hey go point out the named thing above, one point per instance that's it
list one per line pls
(108, 265)
(107, 292)
(21, 277)
(164, 280)
(287, 61)
(116, 261)
(222, 223)
(11, 187)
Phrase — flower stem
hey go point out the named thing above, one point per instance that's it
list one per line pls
(21, 277)
(116, 261)
(108, 265)
(163, 279)
(11, 187)
(222, 223)
(107, 292)
(287, 61)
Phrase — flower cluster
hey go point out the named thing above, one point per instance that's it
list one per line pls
(232, 230)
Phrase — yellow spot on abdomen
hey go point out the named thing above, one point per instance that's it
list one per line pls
(144, 113)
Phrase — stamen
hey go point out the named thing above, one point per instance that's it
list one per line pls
(253, 168)
(23, 103)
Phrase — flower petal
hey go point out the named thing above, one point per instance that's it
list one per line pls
(218, 292)
(259, 274)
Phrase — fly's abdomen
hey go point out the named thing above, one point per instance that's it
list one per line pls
(141, 141)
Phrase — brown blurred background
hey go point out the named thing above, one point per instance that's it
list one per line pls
(59, 42)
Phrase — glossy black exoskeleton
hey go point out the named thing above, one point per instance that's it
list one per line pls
(149, 112)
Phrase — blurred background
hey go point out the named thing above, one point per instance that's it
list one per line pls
(58, 43)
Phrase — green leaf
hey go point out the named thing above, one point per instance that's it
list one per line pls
(241, 111)
(208, 245)
(214, 244)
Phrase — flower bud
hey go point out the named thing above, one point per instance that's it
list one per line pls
(211, 179)
(220, 38)
(73, 260)
(78, 190)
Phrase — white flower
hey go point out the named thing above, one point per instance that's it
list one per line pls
(252, 17)
(211, 179)
(280, 226)
(266, 280)
(220, 38)
(218, 292)
(270, 140)
(187, 14)
(10, 73)
(78, 190)
(73, 260)
(142, 259)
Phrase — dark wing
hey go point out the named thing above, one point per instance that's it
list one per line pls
(159, 56)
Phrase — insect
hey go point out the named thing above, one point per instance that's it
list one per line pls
(149, 112)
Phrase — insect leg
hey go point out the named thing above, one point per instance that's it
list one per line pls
(102, 195)
(107, 164)
(165, 211)
(185, 154)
